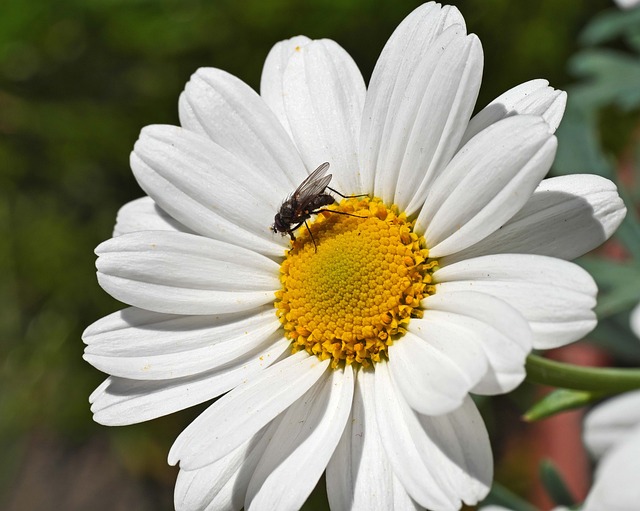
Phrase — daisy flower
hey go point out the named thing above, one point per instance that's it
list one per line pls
(352, 352)
(627, 4)
(612, 435)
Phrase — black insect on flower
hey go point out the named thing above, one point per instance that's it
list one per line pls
(310, 198)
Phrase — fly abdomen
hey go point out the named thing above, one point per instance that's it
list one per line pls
(323, 199)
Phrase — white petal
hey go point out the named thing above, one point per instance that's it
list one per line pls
(305, 439)
(436, 370)
(323, 98)
(442, 93)
(634, 320)
(208, 189)
(486, 183)
(223, 484)
(566, 217)
(534, 97)
(504, 335)
(272, 73)
(119, 401)
(401, 499)
(359, 477)
(229, 112)
(231, 420)
(178, 273)
(395, 418)
(616, 485)
(463, 440)
(434, 470)
(612, 422)
(408, 136)
(144, 215)
(138, 344)
(401, 57)
(556, 297)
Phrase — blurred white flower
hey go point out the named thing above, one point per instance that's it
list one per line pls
(627, 4)
(612, 435)
(358, 358)
(634, 320)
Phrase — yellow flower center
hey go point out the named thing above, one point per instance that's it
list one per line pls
(353, 297)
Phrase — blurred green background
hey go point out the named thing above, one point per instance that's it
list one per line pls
(78, 80)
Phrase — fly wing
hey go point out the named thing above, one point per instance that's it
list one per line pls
(313, 185)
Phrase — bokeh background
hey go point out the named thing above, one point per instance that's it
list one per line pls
(80, 78)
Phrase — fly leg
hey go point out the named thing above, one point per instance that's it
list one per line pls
(311, 234)
(293, 238)
(347, 196)
(339, 212)
(290, 231)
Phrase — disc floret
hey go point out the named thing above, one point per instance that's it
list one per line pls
(354, 297)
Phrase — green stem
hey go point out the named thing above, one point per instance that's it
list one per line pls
(557, 374)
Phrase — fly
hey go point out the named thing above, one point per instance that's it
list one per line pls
(310, 198)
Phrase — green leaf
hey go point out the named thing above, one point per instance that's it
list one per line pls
(610, 25)
(614, 335)
(609, 274)
(502, 496)
(613, 78)
(618, 299)
(554, 484)
(579, 143)
(618, 284)
(561, 400)
(629, 231)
